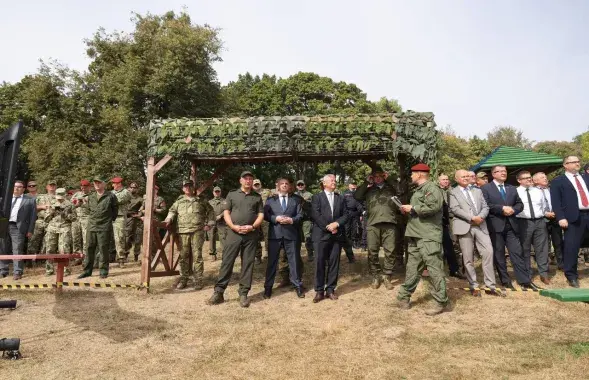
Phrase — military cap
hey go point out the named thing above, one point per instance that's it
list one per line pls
(32, 183)
(257, 182)
(481, 175)
(60, 193)
(187, 182)
(217, 188)
(246, 173)
(84, 182)
(98, 179)
(300, 182)
(420, 168)
(52, 182)
(377, 169)
(116, 180)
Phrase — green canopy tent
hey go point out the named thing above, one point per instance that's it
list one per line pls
(406, 137)
(516, 160)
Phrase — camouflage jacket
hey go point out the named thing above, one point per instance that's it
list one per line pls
(43, 200)
(191, 214)
(217, 205)
(60, 216)
(135, 205)
(123, 199)
(159, 207)
(80, 201)
(306, 203)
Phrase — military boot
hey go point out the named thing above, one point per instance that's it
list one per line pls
(388, 282)
(404, 304)
(216, 299)
(437, 309)
(244, 301)
(376, 281)
(181, 285)
(198, 284)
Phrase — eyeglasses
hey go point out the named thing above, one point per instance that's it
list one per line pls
(31, 185)
(525, 178)
(572, 162)
(500, 171)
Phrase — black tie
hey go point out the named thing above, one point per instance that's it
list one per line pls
(13, 202)
(532, 215)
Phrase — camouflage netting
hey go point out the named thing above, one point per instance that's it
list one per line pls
(298, 137)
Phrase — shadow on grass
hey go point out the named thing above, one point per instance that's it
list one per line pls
(99, 312)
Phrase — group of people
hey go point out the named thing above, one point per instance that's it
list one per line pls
(492, 217)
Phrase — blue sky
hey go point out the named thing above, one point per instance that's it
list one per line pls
(475, 64)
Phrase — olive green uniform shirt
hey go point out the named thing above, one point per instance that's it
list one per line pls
(102, 211)
(425, 221)
(379, 206)
(244, 208)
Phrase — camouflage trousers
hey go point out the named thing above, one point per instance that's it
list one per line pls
(134, 236)
(381, 235)
(191, 244)
(220, 232)
(58, 241)
(37, 241)
(306, 231)
(424, 254)
(119, 236)
(79, 243)
(264, 237)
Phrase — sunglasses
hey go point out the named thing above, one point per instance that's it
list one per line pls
(132, 187)
(31, 185)
(300, 184)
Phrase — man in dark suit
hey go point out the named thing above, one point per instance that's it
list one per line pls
(570, 202)
(329, 215)
(504, 204)
(21, 224)
(284, 213)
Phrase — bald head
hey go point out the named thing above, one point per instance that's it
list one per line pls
(462, 177)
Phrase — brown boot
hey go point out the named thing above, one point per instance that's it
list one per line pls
(388, 282)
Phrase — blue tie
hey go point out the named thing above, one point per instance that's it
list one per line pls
(502, 191)
(283, 203)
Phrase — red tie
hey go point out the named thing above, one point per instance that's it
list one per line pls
(584, 200)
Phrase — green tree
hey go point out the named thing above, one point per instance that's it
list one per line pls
(508, 136)
(559, 148)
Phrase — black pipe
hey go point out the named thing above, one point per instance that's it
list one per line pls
(10, 304)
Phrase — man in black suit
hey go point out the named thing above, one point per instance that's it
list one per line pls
(329, 215)
(570, 202)
(504, 204)
(21, 224)
(284, 213)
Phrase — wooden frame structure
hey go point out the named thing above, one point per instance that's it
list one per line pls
(386, 136)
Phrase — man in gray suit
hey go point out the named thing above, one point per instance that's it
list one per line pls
(21, 225)
(469, 208)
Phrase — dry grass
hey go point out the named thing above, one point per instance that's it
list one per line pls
(122, 333)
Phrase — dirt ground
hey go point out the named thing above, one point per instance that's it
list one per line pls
(126, 334)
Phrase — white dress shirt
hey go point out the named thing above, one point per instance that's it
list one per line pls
(469, 198)
(538, 204)
(285, 199)
(546, 193)
(15, 208)
(571, 178)
(330, 198)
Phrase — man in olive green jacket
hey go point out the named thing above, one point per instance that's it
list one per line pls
(382, 215)
(424, 232)
(193, 216)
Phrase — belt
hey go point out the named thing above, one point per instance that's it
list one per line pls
(533, 219)
(12, 223)
(584, 211)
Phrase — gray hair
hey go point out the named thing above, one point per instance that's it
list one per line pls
(325, 177)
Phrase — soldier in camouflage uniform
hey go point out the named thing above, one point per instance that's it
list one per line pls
(123, 199)
(43, 201)
(193, 216)
(307, 225)
(159, 214)
(265, 193)
(132, 225)
(31, 189)
(80, 202)
(220, 228)
(59, 217)
(382, 229)
(424, 231)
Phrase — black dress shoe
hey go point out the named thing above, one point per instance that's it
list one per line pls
(509, 286)
(319, 296)
(300, 293)
(457, 275)
(573, 283)
(332, 296)
(352, 260)
(534, 287)
(267, 293)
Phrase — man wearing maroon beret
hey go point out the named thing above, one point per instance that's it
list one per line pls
(424, 234)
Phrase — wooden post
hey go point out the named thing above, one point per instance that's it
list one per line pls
(152, 169)
(148, 223)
